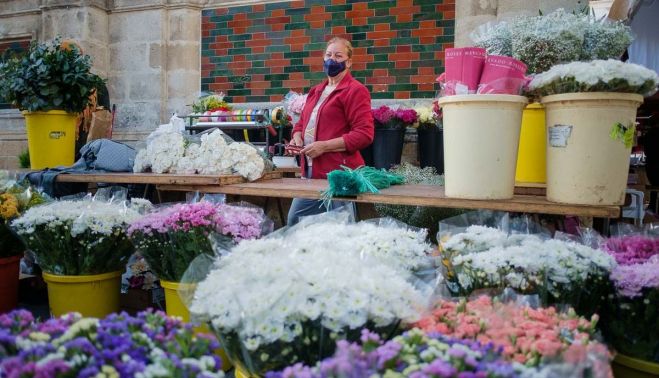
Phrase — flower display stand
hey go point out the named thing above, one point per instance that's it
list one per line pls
(92, 295)
(585, 163)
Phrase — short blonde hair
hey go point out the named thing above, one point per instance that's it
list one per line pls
(345, 42)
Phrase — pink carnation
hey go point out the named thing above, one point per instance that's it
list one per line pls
(383, 114)
(632, 249)
(523, 332)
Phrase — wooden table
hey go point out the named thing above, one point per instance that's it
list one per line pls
(414, 195)
(159, 179)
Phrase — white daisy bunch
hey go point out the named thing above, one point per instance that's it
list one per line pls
(77, 217)
(281, 306)
(596, 76)
(559, 270)
(399, 247)
(78, 237)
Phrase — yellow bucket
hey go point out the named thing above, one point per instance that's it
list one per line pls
(241, 373)
(628, 367)
(51, 138)
(532, 151)
(175, 307)
(92, 296)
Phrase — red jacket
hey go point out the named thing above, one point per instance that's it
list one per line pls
(345, 113)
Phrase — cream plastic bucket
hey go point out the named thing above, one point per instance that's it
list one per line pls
(584, 164)
(481, 137)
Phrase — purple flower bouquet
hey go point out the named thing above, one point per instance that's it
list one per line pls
(172, 238)
(631, 319)
(413, 354)
(148, 345)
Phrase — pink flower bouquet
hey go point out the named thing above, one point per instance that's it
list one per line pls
(532, 337)
(171, 238)
(387, 118)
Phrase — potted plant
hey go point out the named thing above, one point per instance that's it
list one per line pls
(591, 115)
(82, 247)
(390, 126)
(430, 139)
(50, 84)
(14, 200)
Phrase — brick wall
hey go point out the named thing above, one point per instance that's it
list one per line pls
(259, 52)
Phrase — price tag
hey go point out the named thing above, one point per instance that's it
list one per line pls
(559, 134)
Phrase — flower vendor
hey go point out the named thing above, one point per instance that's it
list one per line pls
(336, 122)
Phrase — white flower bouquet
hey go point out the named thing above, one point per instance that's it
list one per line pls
(169, 151)
(559, 272)
(288, 299)
(595, 76)
(78, 237)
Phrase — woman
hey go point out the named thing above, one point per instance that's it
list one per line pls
(336, 122)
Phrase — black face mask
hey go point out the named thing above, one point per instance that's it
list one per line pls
(333, 68)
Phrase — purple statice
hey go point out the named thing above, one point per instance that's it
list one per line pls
(406, 354)
(634, 249)
(383, 114)
(120, 342)
(630, 280)
(16, 321)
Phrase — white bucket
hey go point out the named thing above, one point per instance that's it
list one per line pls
(481, 137)
(584, 164)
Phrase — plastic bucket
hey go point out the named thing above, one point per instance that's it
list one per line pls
(532, 152)
(585, 165)
(92, 296)
(387, 147)
(481, 137)
(628, 367)
(431, 150)
(51, 138)
(175, 307)
(9, 271)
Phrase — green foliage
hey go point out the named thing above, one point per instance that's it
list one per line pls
(24, 159)
(49, 77)
(623, 133)
(418, 216)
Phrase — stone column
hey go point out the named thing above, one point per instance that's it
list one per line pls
(85, 21)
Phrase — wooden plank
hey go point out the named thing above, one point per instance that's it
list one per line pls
(414, 195)
(160, 179)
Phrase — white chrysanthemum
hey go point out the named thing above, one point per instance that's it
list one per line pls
(100, 217)
(246, 161)
(265, 289)
(597, 72)
(520, 261)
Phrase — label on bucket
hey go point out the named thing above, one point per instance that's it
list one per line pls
(559, 134)
(56, 134)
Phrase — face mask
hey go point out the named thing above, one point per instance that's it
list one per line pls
(333, 68)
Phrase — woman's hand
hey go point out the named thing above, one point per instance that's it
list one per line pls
(315, 149)
(297, 139)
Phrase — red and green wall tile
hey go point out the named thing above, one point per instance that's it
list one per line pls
(259, 52)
